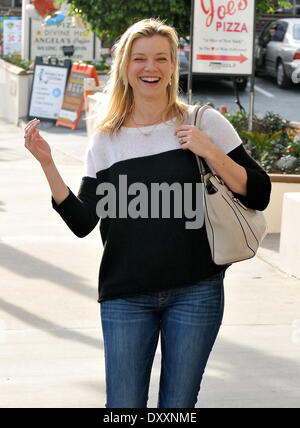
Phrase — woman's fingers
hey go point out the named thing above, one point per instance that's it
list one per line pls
(183, 128)
(31, 131)
(31, 122)
(30, 126)
(32, 141)
(183, 134)
(36, 144)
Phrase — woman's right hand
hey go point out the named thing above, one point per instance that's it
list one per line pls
(36, 144)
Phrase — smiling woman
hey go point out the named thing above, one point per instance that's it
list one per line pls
(144, 71)
(149, 73)
(157, 276)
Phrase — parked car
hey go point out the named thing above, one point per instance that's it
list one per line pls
(183, 55)
(288, 10)
(277, 50)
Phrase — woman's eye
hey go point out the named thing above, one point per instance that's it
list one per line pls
(142, 59)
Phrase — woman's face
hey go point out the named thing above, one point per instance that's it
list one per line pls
(150, 67)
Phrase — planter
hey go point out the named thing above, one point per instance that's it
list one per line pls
(281, 183)
(15, 85)
(289, 250)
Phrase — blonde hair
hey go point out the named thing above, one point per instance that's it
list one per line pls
(119, 94)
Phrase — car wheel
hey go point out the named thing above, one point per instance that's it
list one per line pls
(241, 83)
(282, 79)
(259, 73)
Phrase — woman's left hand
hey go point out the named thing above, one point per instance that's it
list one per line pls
(191, 138)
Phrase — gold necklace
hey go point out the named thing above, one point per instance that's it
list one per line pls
(146, 134)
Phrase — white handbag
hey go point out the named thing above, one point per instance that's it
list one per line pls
(234, 231)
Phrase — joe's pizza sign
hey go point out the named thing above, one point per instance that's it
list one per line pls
(223, 36)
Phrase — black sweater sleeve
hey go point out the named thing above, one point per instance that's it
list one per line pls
(258, 181)
(79, 212)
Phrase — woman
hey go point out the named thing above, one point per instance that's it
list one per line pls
(156, 275)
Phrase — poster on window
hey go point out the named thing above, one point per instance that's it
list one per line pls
(12, 32)
(223, 36)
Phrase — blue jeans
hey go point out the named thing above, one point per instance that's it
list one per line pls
(188, 319)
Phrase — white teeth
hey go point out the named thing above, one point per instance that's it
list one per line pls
(149, 79)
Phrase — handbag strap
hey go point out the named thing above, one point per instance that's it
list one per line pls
(204, 168)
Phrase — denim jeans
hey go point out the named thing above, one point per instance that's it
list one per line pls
(188, 320)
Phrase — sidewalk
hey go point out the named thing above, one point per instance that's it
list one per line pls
(50, 337)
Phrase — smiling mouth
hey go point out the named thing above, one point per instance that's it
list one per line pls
(150, 81)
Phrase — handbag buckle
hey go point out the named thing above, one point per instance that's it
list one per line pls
(210, 188)
(219, 180)
(236, 200)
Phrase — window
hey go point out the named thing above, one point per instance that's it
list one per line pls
(265, 37)
(280, 31)
(11, 3)
(296, 31)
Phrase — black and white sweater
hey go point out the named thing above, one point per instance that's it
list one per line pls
(153, 254)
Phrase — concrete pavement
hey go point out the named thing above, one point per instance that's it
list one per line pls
(50, 336)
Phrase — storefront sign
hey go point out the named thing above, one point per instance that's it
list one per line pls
(48, 40)
(223, 36)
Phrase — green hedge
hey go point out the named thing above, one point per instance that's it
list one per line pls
(273, 143)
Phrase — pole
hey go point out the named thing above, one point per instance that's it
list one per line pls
(190, 75)
(251, 102)
(25, 31)
(252, 77)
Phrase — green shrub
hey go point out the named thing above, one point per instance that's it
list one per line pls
(272, 142)
(239, 121)
(16, 59)
(101, 65)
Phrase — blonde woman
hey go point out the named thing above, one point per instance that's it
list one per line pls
(157, 277)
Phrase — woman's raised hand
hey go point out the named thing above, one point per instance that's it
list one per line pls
(36, 144)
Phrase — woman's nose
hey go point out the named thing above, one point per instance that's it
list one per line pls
(149, 65)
